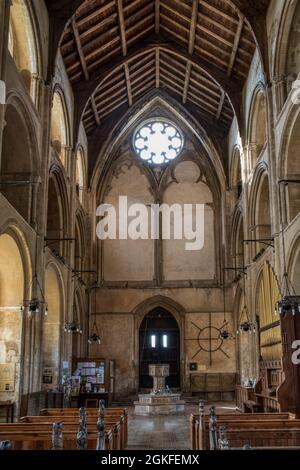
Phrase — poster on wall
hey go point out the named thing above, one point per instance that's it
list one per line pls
(47, 375)
(7, 377)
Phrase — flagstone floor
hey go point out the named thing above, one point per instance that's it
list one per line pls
(164, 432)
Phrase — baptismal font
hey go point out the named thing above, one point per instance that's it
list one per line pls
(161, 400)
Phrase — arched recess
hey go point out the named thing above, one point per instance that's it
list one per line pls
(260, 210)
(57, 212)
(285, 55)
(15, 276)
(178, 313)
(80, 174)
(60, 129)
(52, 327)
(257, 127)
(267, 296)
(159, 343)
(19, 161)
(155, 104)
(236, 179)
(292, 69)
(23, 44)
(290, 166)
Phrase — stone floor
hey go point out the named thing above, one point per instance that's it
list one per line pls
(165, 432)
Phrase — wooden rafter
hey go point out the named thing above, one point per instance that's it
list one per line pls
(128, 83)
(157, 16)
(157, 67)
(236, 45)
(221, 104)
(122, 26)
(95, 111)
(193, 26)
(187, 81)
(192, 36)
(79, 49)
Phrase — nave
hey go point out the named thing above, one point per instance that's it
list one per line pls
(149, 223)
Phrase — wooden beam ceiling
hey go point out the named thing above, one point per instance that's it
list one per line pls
(201, 49)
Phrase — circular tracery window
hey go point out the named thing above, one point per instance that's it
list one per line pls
(158, 141)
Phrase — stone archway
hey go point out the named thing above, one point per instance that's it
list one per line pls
(15, 274)
(52, 329)
(177, 311)
(159, 343)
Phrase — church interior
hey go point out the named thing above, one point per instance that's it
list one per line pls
(110, 341)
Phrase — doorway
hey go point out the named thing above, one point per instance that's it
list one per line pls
(159, 343)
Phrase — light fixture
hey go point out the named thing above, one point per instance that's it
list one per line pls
(72, 327)
(246, 326)
(95, 336)
(290, 301)
(35, 305)
(288, 304)
(224, 332)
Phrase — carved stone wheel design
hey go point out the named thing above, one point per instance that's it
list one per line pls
(209, 339)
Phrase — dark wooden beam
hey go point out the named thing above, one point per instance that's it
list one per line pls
(122, 26)
(187, 81)
(79, 49)
(221, 104)
(157, 67)
(235, 45)
(128, 83)
(95, 111)
(193, 26)
(157, 16)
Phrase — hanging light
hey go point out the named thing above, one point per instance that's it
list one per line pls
(95, 335)
(224, 332)
(288, 304)
(246, 326)
(72, 327)
(35, 305)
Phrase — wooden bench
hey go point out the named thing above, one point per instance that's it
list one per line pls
(122, 412)
(41, 438)
(35, 432)
(115, 422)
(243, 428)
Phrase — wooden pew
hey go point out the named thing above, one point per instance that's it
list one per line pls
(35, 432)
(41, 438)
(117, 411)
(261, 430)
(116, 424)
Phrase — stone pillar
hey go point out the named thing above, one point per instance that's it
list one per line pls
(279, 93)
(4, 31)
(41, 229)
